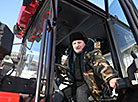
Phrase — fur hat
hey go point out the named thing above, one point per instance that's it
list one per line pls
(78, 36)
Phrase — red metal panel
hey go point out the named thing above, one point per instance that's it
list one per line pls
(25, 14)
(9, 97)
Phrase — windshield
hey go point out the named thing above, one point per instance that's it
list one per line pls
(99, 3)
(136, 3)
(116, 10)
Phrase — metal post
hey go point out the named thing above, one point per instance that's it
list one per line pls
(46, 51)
(50, 66)
(51, 54)
(21, 62)
(106, 8)
(40, 64)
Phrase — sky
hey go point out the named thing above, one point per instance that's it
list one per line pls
(9, 10)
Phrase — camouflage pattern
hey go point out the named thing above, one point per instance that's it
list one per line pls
(98, 67)
(90, 80)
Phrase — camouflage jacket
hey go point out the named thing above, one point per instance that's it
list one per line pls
(100, 73)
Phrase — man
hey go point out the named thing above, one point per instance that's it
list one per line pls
(89, 67)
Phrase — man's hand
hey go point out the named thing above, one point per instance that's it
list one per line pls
(112, 82)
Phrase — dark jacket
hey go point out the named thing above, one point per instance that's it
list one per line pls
(100, 71)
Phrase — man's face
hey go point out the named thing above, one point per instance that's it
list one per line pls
(78, 46)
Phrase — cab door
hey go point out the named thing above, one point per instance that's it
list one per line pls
(123, 32)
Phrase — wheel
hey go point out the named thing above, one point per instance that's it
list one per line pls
(64, 75)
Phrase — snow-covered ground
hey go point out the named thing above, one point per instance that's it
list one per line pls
(28, 74)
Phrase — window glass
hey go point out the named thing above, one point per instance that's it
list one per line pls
(99, 3)
(136, 3)
(126, 43)
(116, 10)
(125, 38)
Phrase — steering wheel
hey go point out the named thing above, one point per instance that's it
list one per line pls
(64, 75)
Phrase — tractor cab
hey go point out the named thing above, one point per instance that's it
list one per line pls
(44, 27)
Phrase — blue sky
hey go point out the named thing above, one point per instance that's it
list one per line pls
(9, 10)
